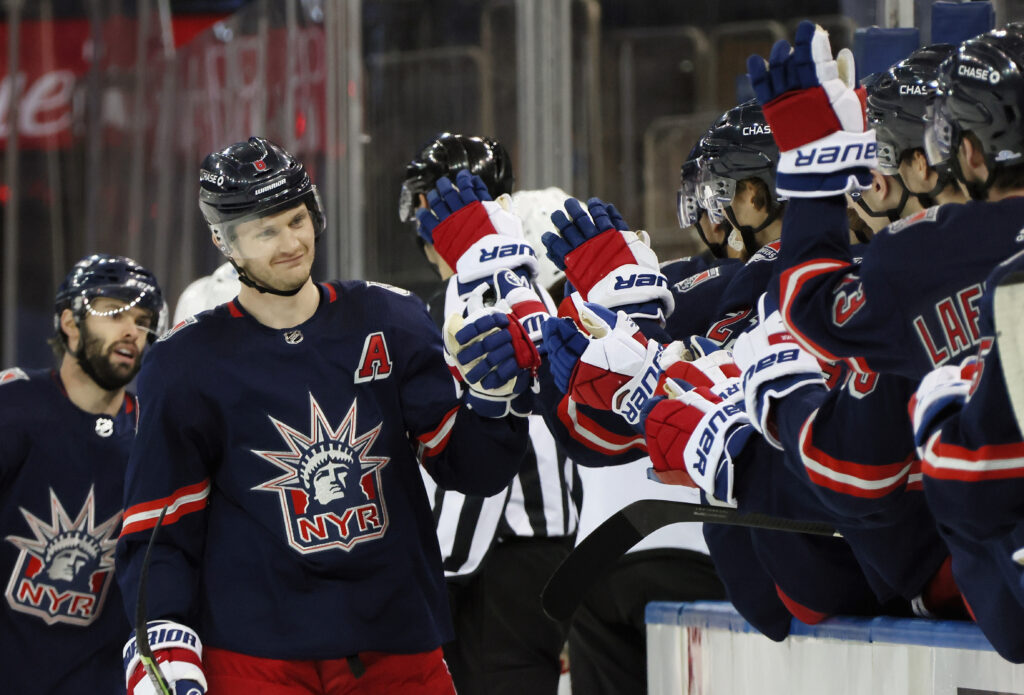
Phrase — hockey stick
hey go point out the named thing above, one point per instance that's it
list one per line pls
(598, 552)
(141, 637)
(1008, 308)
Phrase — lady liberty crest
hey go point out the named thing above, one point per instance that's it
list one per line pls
(330, 487)
(65, 570)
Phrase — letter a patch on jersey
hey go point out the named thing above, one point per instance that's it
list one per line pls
(375, 362)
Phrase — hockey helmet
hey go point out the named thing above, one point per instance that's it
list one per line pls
(897, 100)
(253, 179)
(118, 277)
(446, 155)
(980, 90)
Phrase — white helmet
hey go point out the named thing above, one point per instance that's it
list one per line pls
(534, 208)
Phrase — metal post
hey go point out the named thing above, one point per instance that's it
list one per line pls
(544, 90)
(896, 13)
(10, 260)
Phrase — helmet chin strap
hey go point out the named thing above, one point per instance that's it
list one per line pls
(249, 282)
(892, 213)
(977, 190)
(748, 232)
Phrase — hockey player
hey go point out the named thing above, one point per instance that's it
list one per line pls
(498, 551)
(282, 434)
(896, 110)
(899, 310)
(65, 435)
(972, 450)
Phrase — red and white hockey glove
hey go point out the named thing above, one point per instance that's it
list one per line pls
(606, 263)
(618, 369)
(693, 438)
(179, 657)
(773, 366)
(816, 114)
(942, 391)
(492, 354)
(473, 234)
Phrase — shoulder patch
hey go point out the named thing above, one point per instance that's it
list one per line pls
(700, 278)
(177, 327)
(929, 215)
(12, 374)
(386, 286)
(768, 252)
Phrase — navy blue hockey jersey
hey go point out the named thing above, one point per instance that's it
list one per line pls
(61, 481)
(297, 524)
(912, 303)
(974, 480)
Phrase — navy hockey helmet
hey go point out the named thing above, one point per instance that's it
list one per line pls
(980, 90)
(118, 277)
(897, 100)
(738, 146)
(253, 179)
(446, 155)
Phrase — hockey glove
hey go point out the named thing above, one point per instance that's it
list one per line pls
(709, 367)
(816, 116)
(693, 438)
(618, 369)
(608, 264)
(493, 355)
(474, 235)
(179, 656)
(941, 392)
(773, 366)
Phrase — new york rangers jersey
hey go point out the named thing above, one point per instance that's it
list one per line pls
(297, 524)
(912, 303)
(61, 481)
(974, 478)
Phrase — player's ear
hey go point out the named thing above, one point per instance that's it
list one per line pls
(70, 328)
(879, 184)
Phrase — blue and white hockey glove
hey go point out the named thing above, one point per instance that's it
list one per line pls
(693, 438)
(942, 391)
(816, 115)
(773, 366)
(493, 356)
(179, 656)
(606, 263)
(473, 234)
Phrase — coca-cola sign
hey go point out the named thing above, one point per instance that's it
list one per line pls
(51, 61)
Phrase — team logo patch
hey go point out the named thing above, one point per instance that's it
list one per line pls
(768, 252)
(104, 426)
(293, 337)
(699, 279)
(184, 323)
(65, 569)
(12, 374)
(929, 215)
(330, 486)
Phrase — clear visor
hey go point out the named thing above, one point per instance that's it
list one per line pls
(407, 204)
(256, 235)
(131, 297)
(939, 133)
(687, 204)
(714, 193)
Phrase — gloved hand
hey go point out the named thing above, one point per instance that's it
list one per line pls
(617, 369)
(816, 115)
(493, 355)
(179, 656)
(693, 438)
(942, 390)
(606, 263)
(523, 301)
(473, 234)
(773, 366)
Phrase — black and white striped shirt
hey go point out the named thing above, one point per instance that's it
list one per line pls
(543, 500)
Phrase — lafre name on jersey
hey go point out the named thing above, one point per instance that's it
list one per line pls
(957, 329)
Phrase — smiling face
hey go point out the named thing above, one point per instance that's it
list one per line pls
(109, 340)
(276, 251)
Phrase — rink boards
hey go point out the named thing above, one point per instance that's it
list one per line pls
(707, 648)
